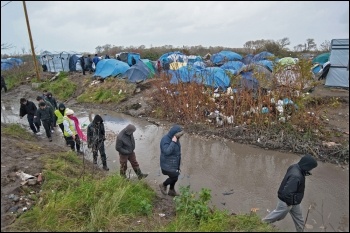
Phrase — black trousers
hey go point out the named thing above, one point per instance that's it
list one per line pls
(173, 177)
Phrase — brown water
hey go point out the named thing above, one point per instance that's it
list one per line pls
(249, 176)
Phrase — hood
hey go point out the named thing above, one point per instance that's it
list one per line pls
(307, 163)
(61, 105)
(175, 129)
(97, 118)
(130, 129)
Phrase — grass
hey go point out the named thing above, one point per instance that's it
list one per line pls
(16, 131)
(62, 88)
(76, 197)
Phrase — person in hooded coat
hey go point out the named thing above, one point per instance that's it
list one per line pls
(125, 145)
(96, 136)
(59, 114)
(170, 159)
(291, 193)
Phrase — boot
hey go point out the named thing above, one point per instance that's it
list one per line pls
(123, 173)
(163, 188)
(105, 166)
(94, 159)
(139, 174)
(173, 193)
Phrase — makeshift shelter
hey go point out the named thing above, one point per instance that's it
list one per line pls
(10, 63)
(236, 65)
(74, 62)
(56, 61)
(127, 57)
(338, 74)
(262, 56)
(137, 73)
(150, 66)
(177, 65)
(321, 59)
(287, 61)
(110, 67)
(224, 56)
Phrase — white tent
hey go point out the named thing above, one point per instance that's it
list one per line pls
(56, 61)
(338, 75)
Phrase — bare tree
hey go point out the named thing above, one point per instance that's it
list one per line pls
(98, 49)
(325, 46)
(5, 46)
(283, 42)
(298, 48)
(310, 44)
(23, 50)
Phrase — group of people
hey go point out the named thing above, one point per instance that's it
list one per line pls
(87, 62)
(290, 192)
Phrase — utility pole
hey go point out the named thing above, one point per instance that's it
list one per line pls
(31, 42)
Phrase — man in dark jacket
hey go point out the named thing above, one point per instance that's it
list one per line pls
(291, 192)
(45, 114)
(170, 159)
(82, 63)
(3, 83)
(96, 136)
(28, 108)
(125, 145)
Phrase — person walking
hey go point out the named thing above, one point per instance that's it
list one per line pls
(170, 159)
(291, 193)
(59, 114)
(29, 108)
(82, 64)
(96, 136)
(72, 131)
(45, 115)
(41, 99)
(3, 83)
(125, 145)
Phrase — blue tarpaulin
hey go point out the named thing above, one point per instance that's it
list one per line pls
(110, 67)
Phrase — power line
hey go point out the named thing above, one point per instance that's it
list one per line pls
(6, 4)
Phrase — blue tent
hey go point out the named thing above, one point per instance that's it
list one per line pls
(74, 63)
(248, 81)
(184, 74)
(247, 59)
(138, 72)
(262, 56)
(213, 77)
(224, 56)
(266, 63)
(9, 63)
(110, 67)
(236, 65)
(164, 58)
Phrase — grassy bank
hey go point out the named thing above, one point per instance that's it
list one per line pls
(75, 196)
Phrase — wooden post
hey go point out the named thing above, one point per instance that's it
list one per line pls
(31, 41)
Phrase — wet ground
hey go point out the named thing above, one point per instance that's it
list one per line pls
(239, 176)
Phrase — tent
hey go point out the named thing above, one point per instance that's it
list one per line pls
(150, 66)
(127, 57)
(322, 58)
(224, 56)
(9, 63)
(74, 63)
(56, 61)
(262, 56)
(138, 72)
(236, 65)
(177, 65)
(338, 74)
(110, 67)
(287, 61)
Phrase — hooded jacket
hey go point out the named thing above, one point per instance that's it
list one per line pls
(125, 143)
(170, 152)
(292, 188)
(29, 108)
(59, 114)
(96, 131)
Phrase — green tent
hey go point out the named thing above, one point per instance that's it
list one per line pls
(287, 61)
(149, 66)
(322, 58)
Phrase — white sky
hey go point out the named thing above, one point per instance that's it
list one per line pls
(82, 26)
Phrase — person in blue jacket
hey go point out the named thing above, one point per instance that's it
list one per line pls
(170, 159)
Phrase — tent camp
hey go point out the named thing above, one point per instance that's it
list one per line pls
(110, 67)
(127, 57)
(338, 74)
(138, 72)
(224, 56)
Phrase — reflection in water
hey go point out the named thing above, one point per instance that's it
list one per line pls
(239, 176)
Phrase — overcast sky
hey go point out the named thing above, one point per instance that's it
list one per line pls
(82, 26)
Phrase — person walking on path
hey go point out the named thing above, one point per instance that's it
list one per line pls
(59, 114)
(170, 159)
(96, 136)
(291, 193)
(45, 115)
(72, 131)
(82, 64)
(125, 145)
(3, 83)
(29, 108)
